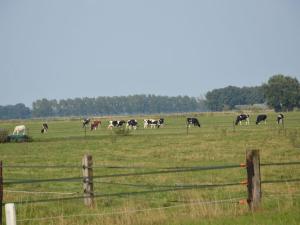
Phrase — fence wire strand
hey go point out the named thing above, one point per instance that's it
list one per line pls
(231, 200)
(74, 179)
(120, 194)
(41, 192)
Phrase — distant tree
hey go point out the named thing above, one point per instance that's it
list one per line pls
(132, 104)
(282, 92)
(228, 97)
(44, 108)
(18, 111)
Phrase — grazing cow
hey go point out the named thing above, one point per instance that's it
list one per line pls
(260, 118)
(116, 123)
(44, 128)
(153, 123)
(241, 118)
(85, 122)
(95, 124)
(280, 118)
(161, 122)
(21, 129)
(132, 124)
(192, 121)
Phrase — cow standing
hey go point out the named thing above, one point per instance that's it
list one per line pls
(154, 123)
(192, 121)
(132, 124)
(44, 128)
(95, 125)
(85, 122)
(21, 129)
(280, 118)
(261, 118)
(116, 123)
(242, 117)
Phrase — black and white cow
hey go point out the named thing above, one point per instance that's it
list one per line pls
(280, 118)
(116, 123)
(85, 122)
(192, 121)
(242, 117)
(260, 118)
(44, 128)
(132, 124)
(153, 123)
(161, 122)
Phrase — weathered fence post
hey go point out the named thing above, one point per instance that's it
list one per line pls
(1, 191)
(253, 181)
(88, 187)
(10, 214)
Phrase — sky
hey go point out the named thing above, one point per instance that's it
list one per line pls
(59, 49)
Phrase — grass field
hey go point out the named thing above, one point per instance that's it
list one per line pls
(216, 143)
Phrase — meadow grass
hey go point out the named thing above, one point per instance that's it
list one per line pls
(216, 143)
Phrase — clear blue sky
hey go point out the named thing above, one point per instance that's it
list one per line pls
(60, 49)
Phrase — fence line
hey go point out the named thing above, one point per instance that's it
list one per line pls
(280, 181)
(174, 188)
(41, 192)
(231, 200)
(72, 179)
(133, 167)
(187, 187)
(279, 163)
(169, 170)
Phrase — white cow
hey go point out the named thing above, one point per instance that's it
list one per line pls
(21, 129)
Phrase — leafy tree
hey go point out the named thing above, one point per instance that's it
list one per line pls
(18, 111)
(229, 97)
(282, 92)
(44, 108)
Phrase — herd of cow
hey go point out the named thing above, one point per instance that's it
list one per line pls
(130, 124)
(260, 118)
(149, 123)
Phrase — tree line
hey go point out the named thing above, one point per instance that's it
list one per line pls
(281, 93)
(134, 104)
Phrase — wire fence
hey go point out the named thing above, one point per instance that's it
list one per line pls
(222, 201)
(16, 166)
(74, 179)
(158, 188)
(236, 200)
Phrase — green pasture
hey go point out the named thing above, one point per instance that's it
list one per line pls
(217, 143)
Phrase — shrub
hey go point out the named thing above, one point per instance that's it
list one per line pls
(3, 135)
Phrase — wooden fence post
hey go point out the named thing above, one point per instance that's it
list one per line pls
(1, 191)
(10, 214)
(253, 181)
(88, 187)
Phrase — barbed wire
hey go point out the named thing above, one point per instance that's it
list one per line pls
(72, 179)
(171, 188)
(41, 192)
(279, 163)
(280, 181)
(125, 167)
(95, 195)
